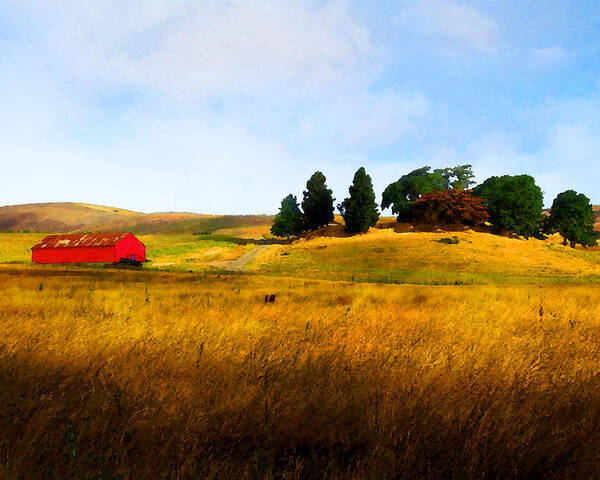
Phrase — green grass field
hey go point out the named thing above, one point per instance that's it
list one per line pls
(175, 252)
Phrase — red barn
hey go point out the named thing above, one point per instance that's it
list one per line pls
(95, 247)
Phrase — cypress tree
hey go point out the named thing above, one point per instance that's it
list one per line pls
(359, 209)
(288, 222)
(317, 203)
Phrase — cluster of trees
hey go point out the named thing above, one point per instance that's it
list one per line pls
(401, 195)
(510, 203)
(317, 209)
(359, 210)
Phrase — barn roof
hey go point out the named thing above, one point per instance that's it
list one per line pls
(76, 240)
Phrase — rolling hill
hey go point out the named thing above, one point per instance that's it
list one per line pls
(81, 217)
(439, 258)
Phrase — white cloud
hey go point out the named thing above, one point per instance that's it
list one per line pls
(565, 155)
(549, 56)
(258, 61)
(363, 120)
(557, 143)
(238, 102)
(192, 164)
(209, 47)
(461, 22)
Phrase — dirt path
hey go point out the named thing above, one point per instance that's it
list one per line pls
(239, 264)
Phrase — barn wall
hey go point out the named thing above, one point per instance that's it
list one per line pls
(74, 255)
(130, 245)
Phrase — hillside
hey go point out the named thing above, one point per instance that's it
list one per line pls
(77, 217)
(58, 217)
(385, 256)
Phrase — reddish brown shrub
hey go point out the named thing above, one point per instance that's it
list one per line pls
(452, 207)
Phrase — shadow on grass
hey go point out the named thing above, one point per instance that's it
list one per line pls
(308, 420)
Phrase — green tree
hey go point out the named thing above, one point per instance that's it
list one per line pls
(514, 203)
(288, 222)
(359, 209)
(317, 202)
(572, 216)
(395, 196)
(402, 194)
(409, 188)
(463, 177)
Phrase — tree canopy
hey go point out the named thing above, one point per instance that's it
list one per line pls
(572, 216)
(317, 202)
(401, 194)
(289, 221)
(452, 207)
(359, 209)
(457, 178)
(514, 203)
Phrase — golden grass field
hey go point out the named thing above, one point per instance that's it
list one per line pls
(155, 375)
(389, 257)
(108, 373)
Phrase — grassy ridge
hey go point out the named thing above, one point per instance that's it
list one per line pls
(149, 375)
(199, 224)
(58, 217)
(385, 256)
(79, 217)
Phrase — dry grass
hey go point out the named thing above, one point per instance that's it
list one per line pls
(16, 247)
(257, 232)
(389, 257)
(110, 374)
(148, 375)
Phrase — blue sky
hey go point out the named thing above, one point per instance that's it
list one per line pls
(227, 106)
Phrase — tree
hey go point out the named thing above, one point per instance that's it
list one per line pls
(401, 194)
(288, 222)
(396, 196)
(317, 203)
(452, 207)
(573, 217)
(514, 203)
(463, 177)
(359, 209)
